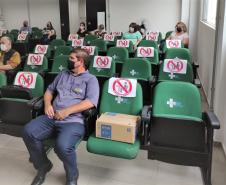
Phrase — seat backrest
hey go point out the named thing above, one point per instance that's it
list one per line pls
(3, 80)
(153, 60)
(174, 72)
(100, 43)
(181, 53)
(149, 43)
(62, 50)
(60, 63)
(107, 72)
(137, 68)
(37, 34)
(89, 38)
(25, 79)
(36, 68)
(120, 55)
(57, 42)
(168, 34)
(124, 105)
(178, 100)
(35, 29)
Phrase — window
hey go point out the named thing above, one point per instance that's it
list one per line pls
(209, 11)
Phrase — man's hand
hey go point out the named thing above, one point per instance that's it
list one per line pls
(61, 114)
(49, 111)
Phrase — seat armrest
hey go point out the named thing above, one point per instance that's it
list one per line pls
(90, 112)
(146, 113)
(36, 103)
(196, 65)
(211, 119)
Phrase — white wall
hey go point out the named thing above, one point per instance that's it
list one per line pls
(41, 11)
(205, 53)
(161, 15)
(74, 15)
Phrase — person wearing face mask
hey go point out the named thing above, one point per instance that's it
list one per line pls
(133, 35)
(26, 28)
(49, 33)
(76, 90)
(180, 33)
(9, 58)
(100, 31)
(82, 32)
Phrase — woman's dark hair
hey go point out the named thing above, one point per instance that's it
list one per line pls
(50, 25)
(134, 26)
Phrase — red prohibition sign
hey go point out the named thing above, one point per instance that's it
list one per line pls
(102, 61)
(22, 37)
(71, 37)
(123, 89)
(109, 37)
(77, 42)
(35, 59)
(123, 43)
(145, 52)
(173, 44)
(175, 66)
(41, 49)
(25, 81)
(88, 49)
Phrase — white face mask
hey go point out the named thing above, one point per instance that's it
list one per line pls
(3, 47)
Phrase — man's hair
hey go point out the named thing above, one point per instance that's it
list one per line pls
(82, 54)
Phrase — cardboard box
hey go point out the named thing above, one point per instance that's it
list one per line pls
(117, 127)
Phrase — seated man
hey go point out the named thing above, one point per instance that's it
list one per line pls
(9, 58)
(76, 90)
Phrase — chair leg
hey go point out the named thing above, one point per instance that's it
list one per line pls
(206, 175)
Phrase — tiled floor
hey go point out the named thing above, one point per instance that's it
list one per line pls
(100, 170)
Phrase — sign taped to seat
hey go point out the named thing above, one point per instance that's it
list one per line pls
(152, 36)
(122, 43)
(122, 87)
(102, 62)
(173, 43)
(41, 49)
(89, 49)
(175, 66)
(77, 42)
(35, 59)
(26, 79)
(145, 52)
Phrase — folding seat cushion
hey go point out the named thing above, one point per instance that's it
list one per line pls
(124, 105)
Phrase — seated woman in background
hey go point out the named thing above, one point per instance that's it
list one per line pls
(82, 32)
(100, 31)
(49, 33)
(25, 28)
(133, 35)
(180, 33)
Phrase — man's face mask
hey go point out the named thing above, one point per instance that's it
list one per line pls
(71, 65)
(3, 47)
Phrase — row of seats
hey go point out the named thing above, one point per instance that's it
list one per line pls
(173, 129)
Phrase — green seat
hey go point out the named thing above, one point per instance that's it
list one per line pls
(100, 44)
(60, 63)
(168, 34)
(181, 53)
(130, 48)
(165, 47)
(92, 53)
(108, 103)
(179, 132)
(141, 70)
(149, 43)
(106, 73)
(188, 76)
(120, 55)
(153, 60)
(15, 33)
(62, 50)
(22, 106)
(37, 34)
(171, 101)
(23, 41)
(3, 79)
(47, 54)
(37, 68)
(89, 38)
(57, 42)
(34, 29)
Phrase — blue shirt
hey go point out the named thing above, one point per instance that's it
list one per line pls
(71, 89)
